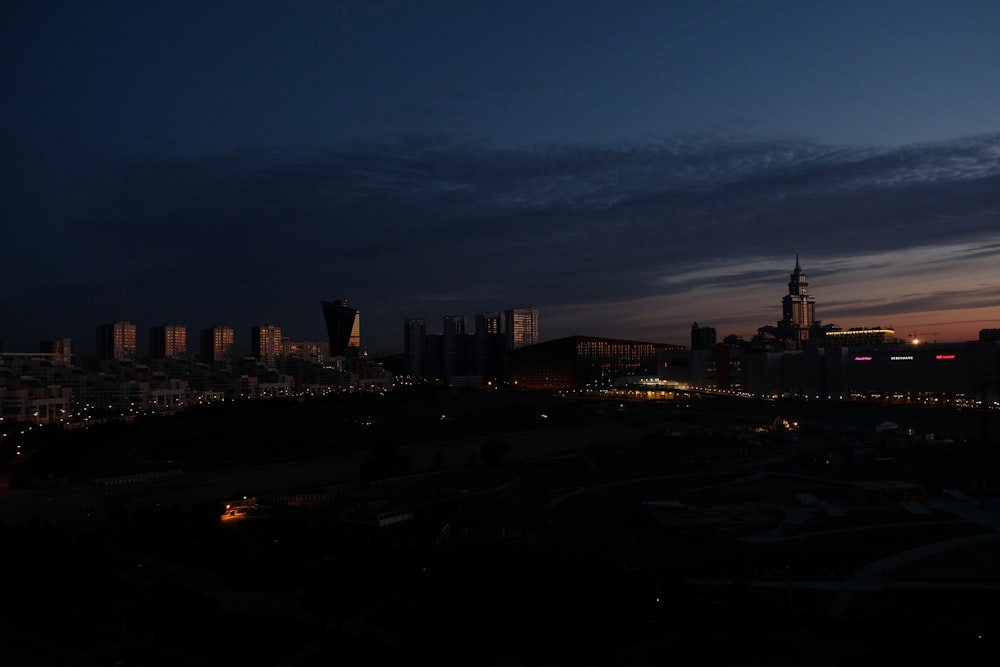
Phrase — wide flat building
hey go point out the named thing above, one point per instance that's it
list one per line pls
(857, 337)
(582, 362)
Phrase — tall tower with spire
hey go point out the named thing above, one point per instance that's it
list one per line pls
(798, 307)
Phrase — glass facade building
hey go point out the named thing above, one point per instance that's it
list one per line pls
(343, 326)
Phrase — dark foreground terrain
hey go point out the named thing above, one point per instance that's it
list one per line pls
(491, 529)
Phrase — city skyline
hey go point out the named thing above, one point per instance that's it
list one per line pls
(797, 308)
(627, 168)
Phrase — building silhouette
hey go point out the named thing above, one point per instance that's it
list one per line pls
(798, 309)
(456, 345)
(492, 345)
(583, 363)
(415, 346)
(61, 349)
(115, 341)
(343, 326)
(469, 351)
(702, 338)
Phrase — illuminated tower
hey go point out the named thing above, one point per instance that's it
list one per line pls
(343, 324)
(798, 308)
(115, 341)
(265, 343)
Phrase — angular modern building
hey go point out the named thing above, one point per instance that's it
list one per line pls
(343, 325)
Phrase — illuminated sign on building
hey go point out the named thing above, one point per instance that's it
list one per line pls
(904, 357)
(939, 357)
(862, 358)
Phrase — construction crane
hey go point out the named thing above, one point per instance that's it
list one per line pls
(915, 337)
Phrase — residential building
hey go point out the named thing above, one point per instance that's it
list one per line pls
(265, 343)
(59, 349)
(217, 346)
(167, 341)
(521, 327)
(115, 341)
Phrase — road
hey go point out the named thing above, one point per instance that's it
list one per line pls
(82, 503)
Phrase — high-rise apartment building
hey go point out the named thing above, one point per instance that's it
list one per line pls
(217, 345)
(521, 327)
(343, 325)
(115, 341)
(414, 343)
(61, 349)
(265, 343)
(460, 353)
(491, 345)
(702, 338)
(314, 351)
(455, 342)
(168, 341)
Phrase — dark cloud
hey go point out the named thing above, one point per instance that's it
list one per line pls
(397, 225)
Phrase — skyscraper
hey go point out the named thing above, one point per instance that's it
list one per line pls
(414, 341)
(343, 325)
(798, 308)
(455, 345)
(521, 326)
(115, 341)
(265, 343)
(491, 346)
(217, 345)
(167, 341)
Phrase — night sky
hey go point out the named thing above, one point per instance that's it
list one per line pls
(626, 167)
